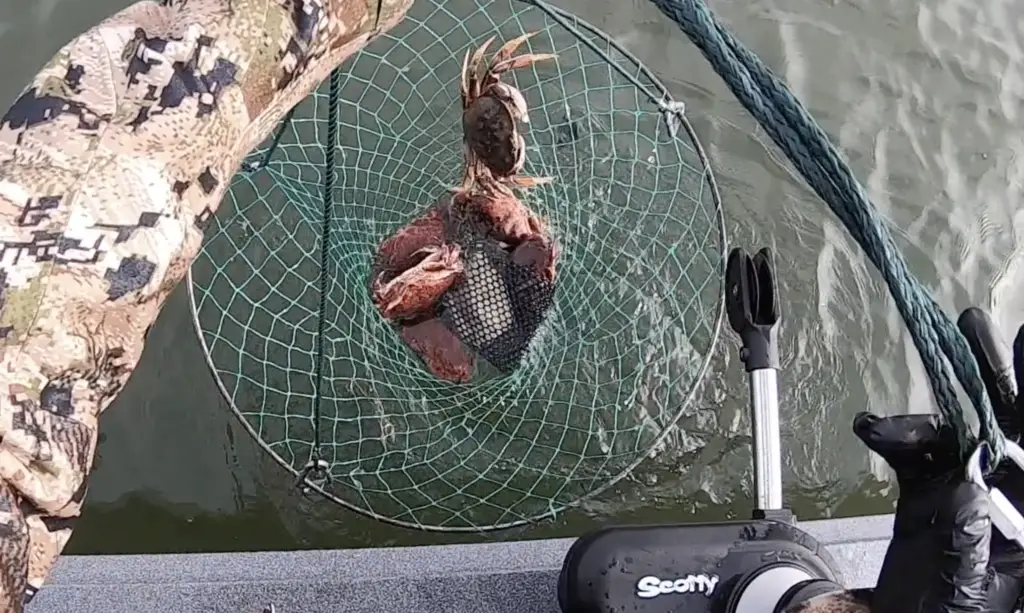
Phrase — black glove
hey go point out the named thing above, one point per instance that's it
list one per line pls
(939, 554)
(1003, 374)
(943, 555)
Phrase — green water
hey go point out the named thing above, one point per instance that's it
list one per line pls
(923, 98)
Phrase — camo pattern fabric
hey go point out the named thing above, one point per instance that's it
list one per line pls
(848, 601)
(112, 163)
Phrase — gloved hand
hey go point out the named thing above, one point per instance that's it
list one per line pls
(1003, 374)
(945, 555)
(938, 558)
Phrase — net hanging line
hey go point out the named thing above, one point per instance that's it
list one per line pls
(537, 343)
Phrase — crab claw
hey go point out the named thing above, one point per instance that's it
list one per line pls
(417, 290)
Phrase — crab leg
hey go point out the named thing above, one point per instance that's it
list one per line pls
(518, 180)
(521, 61)
(471, 72)
(464, 82)
(469, 174)
(512, 46)
(503, 60)
(525, 182)
(474, 171)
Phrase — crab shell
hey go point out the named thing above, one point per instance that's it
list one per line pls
(403, 249)
(541, 254)
(491, 132)
(444, 355)
(417, 290)
(509, 220)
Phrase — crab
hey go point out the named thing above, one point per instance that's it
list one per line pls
(416, 266)
(444, 355)
(491, 111)
(495, 153)
(416, 291)
(524, 234)
(403, 249)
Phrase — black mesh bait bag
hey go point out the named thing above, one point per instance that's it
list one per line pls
(498, 305)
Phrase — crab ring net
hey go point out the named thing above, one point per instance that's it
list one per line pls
(636, 313)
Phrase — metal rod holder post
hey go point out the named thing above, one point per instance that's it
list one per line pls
(753, 307)
(764, 395)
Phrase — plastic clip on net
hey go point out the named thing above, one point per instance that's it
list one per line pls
(752, 302)
(1005, 517)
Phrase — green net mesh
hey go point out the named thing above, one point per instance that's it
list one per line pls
(637, 308)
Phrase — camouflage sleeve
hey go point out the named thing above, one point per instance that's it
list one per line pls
(840, 601)
(111, 162)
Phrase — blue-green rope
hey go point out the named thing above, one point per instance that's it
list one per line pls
(792, 128)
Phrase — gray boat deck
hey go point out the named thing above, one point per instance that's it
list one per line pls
(517, 577)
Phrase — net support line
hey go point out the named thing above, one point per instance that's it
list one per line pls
(265, 160)
(317, 468)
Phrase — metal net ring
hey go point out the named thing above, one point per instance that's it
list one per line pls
(320, 380)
